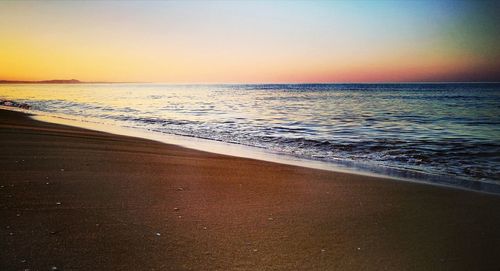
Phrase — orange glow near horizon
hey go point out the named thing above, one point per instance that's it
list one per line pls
(199, 42)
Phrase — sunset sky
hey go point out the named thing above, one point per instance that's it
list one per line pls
(261, 41)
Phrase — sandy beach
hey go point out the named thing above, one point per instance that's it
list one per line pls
(75, 199)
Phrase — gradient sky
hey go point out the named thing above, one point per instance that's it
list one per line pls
(261, 41)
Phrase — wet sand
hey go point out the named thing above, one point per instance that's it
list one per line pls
(77, 199)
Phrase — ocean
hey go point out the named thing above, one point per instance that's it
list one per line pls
(434, 132)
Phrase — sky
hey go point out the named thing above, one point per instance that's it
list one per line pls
(250, 41)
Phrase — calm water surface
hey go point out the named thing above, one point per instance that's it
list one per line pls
(449, 131)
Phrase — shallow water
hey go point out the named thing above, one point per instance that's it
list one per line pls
(448, 131)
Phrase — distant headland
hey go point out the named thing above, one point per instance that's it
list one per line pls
(56, 81)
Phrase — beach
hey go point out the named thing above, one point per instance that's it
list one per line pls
(75, 199)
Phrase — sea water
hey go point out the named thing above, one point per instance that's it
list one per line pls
(432, 131)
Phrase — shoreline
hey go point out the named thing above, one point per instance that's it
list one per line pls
(414, 147)
(251, 152)
(77, 199)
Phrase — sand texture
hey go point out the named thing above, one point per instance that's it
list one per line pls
(75, 199)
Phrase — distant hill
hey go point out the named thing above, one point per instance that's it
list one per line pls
(61, 81)
(57, 81)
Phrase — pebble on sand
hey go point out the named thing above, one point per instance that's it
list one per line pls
(58, 203)
(158, 234)
(176, 209)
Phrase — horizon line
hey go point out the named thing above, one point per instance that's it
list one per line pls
(6, 81)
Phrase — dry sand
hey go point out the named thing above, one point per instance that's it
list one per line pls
(76, 199)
